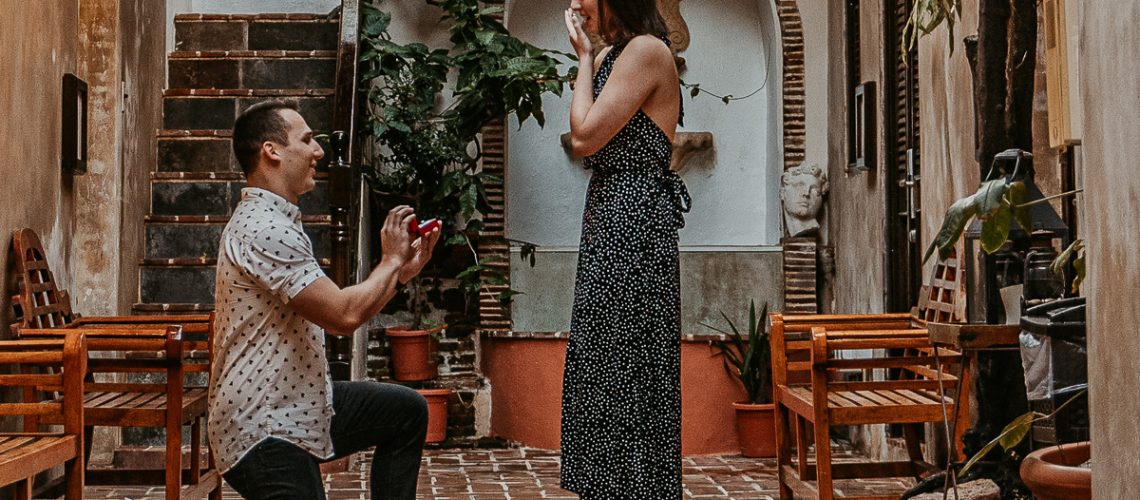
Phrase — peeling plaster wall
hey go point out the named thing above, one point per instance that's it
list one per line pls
(856, 210)
(39, 48)
(121, 58)
(95, 268)
(1110, 115)
(144, 76)
(946, 115)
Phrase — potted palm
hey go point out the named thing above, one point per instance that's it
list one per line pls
(748, 356)
(427, 154)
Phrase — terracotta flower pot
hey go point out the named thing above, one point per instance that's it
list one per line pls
(1054, 473)
(756, 429)
(437, 413)
(412, 354)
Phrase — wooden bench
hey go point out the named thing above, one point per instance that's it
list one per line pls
(807, 391)
(167, 346)
(35, 367)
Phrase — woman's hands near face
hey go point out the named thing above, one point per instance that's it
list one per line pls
(578, 38)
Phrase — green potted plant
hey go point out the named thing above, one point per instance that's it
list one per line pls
(748, 357)
(427, 155)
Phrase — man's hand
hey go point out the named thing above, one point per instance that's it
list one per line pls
(422, 249)
(395, 240)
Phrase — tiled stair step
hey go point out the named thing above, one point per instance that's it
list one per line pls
(180, 284)
(218, 197)
(255, 32)
(204, 151)
(252, 69)
(190, 111)
(177, 242)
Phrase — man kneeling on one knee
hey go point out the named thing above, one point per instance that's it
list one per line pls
(274, 412)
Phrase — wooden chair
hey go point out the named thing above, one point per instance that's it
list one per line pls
(171, 346)
(897, 342)
(36, 366)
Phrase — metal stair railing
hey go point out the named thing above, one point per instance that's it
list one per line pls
(344, 175)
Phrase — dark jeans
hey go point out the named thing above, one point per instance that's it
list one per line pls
(390, 417)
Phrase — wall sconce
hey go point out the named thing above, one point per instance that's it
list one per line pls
(73, 147)
(863, 127)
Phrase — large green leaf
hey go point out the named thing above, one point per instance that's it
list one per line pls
(1018, 194)
(995, 229)
(953, 223)
(1018, 427)
(989, 197)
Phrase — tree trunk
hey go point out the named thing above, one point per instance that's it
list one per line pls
(990, 81)
(1004, 77)
(1021, 64)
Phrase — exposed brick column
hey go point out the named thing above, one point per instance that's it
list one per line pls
(494, 250)
(792, 38)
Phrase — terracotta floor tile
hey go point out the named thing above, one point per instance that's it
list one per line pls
(525, 474)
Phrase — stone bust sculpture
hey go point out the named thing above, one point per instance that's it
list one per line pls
(801, 192)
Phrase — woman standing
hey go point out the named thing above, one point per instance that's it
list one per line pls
(621, 405)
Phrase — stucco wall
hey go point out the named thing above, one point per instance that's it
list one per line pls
(856, 210)
(711, 281)
(40, 47)
(1110, 106)
(144, 77)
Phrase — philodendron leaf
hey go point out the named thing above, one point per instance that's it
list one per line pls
(952, 225)
(989, 197)
(1058, 265)
(1018, 195)
(1079, 266)
(995, 229)
(1013, 433)
(1010, 436)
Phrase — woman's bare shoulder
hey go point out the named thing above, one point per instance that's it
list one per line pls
(649, 47)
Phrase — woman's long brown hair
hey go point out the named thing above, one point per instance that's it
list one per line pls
(631, 18)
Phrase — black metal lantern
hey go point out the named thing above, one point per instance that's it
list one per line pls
(987, 274)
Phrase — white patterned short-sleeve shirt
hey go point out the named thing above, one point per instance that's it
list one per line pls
(269, 376)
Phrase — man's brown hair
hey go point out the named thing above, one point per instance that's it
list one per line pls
(261, 122)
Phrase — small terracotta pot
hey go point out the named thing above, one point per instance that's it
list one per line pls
(756, 429)
(412, 354)
(1054, 473)
(437, 400)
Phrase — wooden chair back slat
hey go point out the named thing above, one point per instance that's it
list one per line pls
(39, 301)
(170, 345)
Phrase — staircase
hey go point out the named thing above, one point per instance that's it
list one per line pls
(222, 64)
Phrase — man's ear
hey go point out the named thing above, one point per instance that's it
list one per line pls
(269, 152)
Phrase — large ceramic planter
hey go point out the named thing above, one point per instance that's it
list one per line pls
(437, 413)
(1054, 473)
(412, 354)
(756, 429)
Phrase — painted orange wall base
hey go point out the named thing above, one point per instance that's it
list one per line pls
(525, 375)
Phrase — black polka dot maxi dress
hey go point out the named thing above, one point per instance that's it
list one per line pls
(621, 401)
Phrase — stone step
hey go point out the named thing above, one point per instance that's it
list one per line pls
(180, 284)
(255, 32)
(207, 112)
(218, 197)
(204, 151)
(177, 242)
(252, 70)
